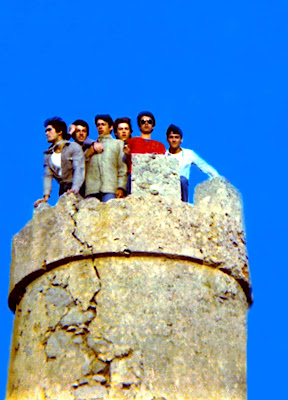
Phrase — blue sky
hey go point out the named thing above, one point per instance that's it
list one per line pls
(218, 69)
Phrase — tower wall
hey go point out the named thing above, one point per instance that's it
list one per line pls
(139, 298)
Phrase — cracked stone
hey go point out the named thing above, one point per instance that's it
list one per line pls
(58, 297)
(77, 316)
(122, 370)
(99, 378)
(131, 220)
(91, 392)
(106, 357)
(98, 345)
(55, 343)
(77, 340)
(86, 367)
(98, 366)
(170, 317)
(84, 284)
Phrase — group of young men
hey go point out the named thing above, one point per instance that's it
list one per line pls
(102, 168)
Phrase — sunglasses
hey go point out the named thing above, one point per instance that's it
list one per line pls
(143, 121)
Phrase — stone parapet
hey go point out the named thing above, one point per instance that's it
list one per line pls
(155, 174)
(210, 232)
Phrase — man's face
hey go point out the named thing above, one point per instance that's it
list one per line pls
(103, 127)
(80, 134)
(174, 140)
(123, 131)
(51, 134)
(146, 124)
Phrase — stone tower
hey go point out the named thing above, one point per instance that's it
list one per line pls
(140, 298)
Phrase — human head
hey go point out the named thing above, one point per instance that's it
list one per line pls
(146, 123)
(174, 138)
(123, 128)
(104, 124)
(59, 125)
(81, 131)
(175, 129)
(147, 114)
(105, 117)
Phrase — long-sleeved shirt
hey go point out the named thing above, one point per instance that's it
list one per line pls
(188, 157)
(106, 172)
(87, 143)
(72, 167)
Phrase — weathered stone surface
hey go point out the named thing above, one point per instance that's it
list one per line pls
(155, 174)
(140, 298)
(162, 328)
(212, 232)
(219, 196)
(58, 296)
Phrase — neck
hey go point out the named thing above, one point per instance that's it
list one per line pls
(146, 135)
(57, 145)
(175, 151)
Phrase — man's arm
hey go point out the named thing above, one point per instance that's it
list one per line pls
(95, 148)
(200, 163)
(47, 183)
(78, 168)
(39, 201)
(122, 173)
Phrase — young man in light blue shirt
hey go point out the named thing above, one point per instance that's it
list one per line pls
(186, 158)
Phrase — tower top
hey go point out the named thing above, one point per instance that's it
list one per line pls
(142, 297)
(211, 231)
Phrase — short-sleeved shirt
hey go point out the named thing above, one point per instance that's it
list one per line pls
(138, 145)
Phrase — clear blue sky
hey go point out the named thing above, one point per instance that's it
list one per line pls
(218, 69)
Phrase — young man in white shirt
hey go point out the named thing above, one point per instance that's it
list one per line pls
(186, 158)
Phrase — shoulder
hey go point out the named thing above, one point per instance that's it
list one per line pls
(157, 143)
(48, 151)
(116, 143)
(73, 147)
(158, 146)
(120, 143)
(135, 140)
(88, 142)
(189, 153)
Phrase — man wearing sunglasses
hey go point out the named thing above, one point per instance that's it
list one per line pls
(143, 144)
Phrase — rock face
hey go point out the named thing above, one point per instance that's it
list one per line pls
(139, 298)
(165, 182)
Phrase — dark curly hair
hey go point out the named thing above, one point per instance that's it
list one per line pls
(122, 120)
(82, 123)
(59, 125)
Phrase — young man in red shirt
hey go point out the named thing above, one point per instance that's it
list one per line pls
(143, 144)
